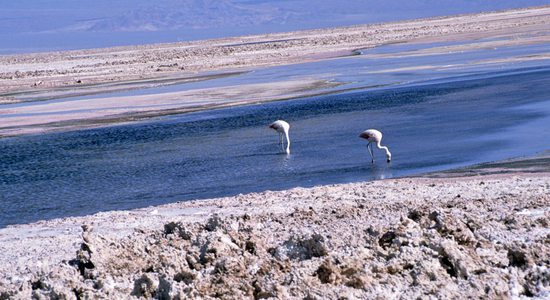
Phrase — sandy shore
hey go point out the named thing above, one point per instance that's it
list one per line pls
(448, 236)
(32, 78)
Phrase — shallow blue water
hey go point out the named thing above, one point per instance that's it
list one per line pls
(230, 151)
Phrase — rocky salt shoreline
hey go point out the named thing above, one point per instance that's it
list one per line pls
(484, 236)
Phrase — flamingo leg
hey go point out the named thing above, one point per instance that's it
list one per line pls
(280, 141)
(369, 147)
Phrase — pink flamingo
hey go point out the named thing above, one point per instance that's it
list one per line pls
(282, 127)
(375, 136)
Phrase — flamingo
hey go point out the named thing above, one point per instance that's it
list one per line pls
(282, 127)
(373, 135)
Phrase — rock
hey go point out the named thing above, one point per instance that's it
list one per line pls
(193, 261)
(178, 229)
(457, 263)
(386, 239)
(537, 282)
(327, 273)
(146, 286)
(518, 258)
(447, 224)
(229, 265)
(415, 215)
(302, 248)
(264, 289)
(213, 223)
(185, 276)
(251, 247)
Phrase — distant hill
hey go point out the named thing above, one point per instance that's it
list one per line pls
(188, 14)
(163, 15)
(30, 25)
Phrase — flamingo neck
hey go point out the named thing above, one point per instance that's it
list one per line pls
(287, 143)
(388, 153)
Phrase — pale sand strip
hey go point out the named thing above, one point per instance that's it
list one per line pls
(64, 115)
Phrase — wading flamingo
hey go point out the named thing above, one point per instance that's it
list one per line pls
(282, 127)
(374, 136)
